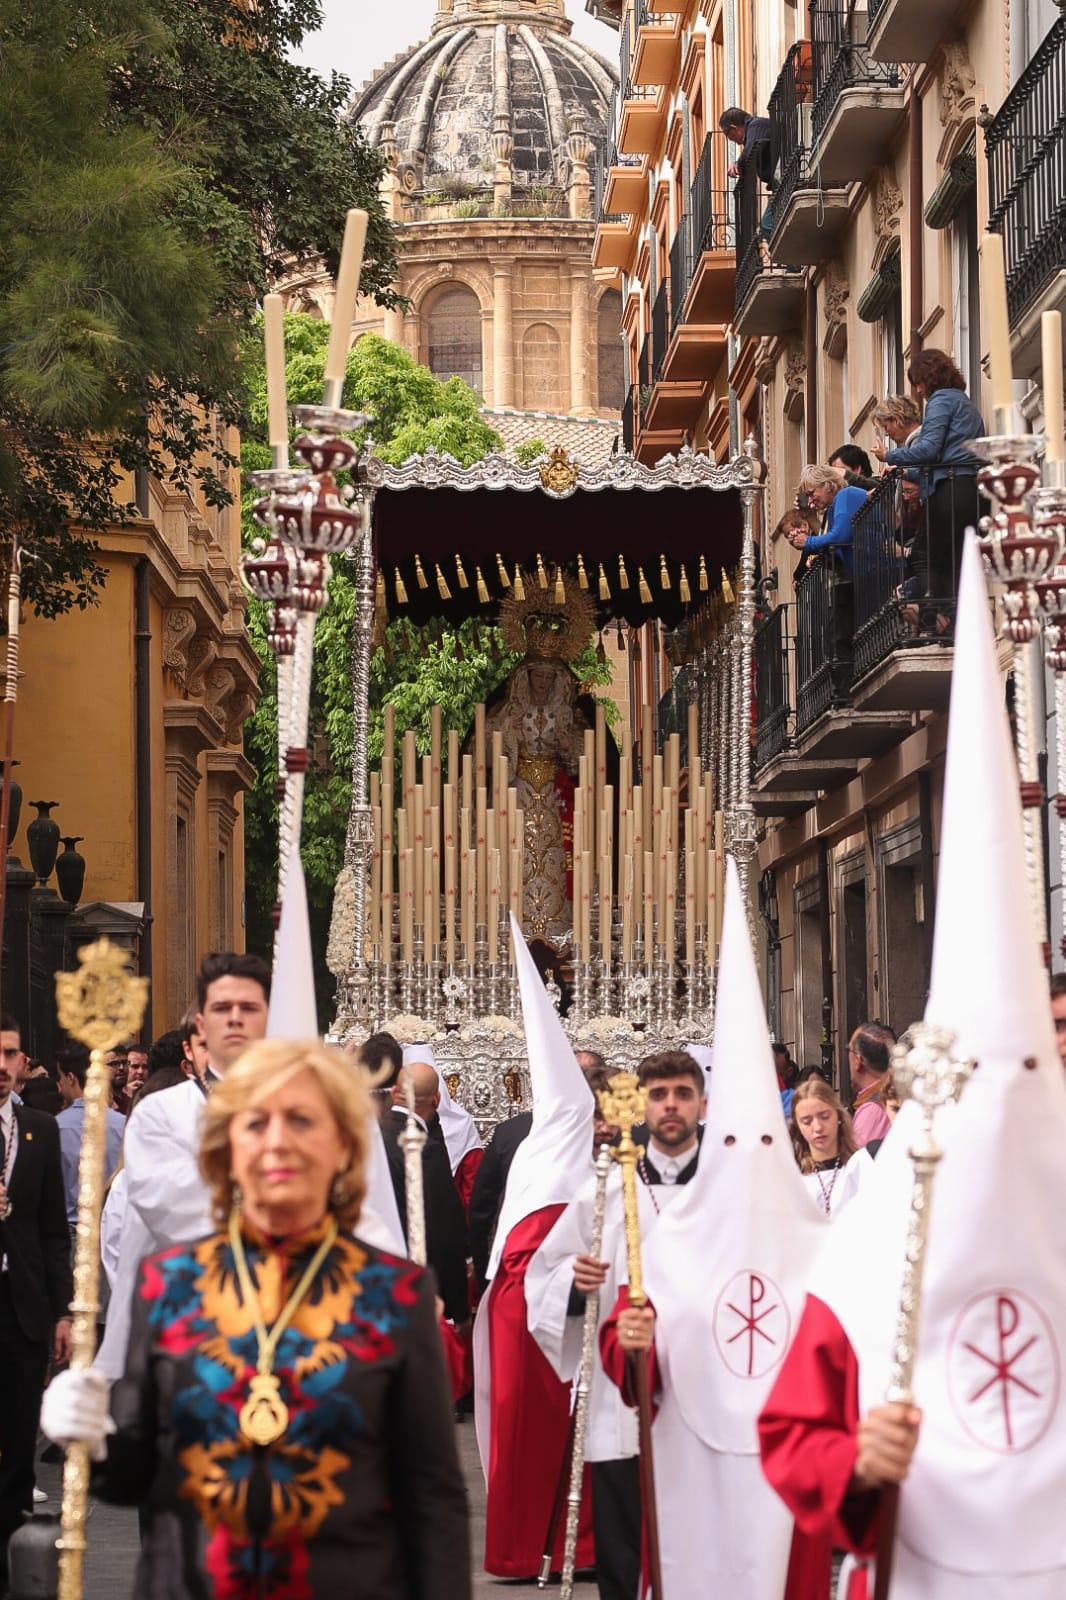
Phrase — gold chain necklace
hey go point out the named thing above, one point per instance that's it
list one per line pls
(264, 1416)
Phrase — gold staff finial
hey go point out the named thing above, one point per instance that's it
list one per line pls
(101, 1004)
(622, 1104)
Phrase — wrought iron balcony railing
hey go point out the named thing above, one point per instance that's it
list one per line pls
(644, 379)
(660, 330)
(839, 57)
(627, 49)
(680, 270)
(713, 227)
(771, 687)
(823, 641)
(627, 419)
(1026, 148)
(897, 588)
(790, 111)
(749, 199)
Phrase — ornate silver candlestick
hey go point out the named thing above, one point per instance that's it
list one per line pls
(1019, 554)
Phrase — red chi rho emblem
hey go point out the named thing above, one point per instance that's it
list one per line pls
(1003, 1371)
(751, 1324)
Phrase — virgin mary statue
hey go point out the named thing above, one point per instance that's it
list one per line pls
(542, 731)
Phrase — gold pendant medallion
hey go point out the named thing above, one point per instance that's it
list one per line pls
(264, 1416)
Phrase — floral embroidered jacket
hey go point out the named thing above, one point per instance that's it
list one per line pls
(361, 1497)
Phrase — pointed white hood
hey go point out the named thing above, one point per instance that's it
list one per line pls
(552, 1163)
(458, 1126)
(294, 1015)
(989, 1476)
(726, 1265)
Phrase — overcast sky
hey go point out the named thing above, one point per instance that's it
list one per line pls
(358, 36)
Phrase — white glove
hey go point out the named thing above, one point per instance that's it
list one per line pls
(74, 1410)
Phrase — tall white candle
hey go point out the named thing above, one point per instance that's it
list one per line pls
(997, 328)
(277, 409)
(340, 334)
(1051, 383)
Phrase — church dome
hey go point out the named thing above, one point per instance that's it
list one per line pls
(497, 81)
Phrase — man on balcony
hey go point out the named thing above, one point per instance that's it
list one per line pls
(740, 127)
(753, 135)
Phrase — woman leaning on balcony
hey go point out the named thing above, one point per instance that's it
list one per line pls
(948, 478)
(824, 489)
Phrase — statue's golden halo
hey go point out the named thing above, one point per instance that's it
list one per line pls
(556, 622)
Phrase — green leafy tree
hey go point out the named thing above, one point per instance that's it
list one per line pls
(530, 450)
(412, 410)
(162, 160)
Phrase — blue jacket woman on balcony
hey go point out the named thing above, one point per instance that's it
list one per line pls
(948, 478)
(826, 491)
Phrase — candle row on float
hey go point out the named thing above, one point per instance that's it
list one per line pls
(450, 849)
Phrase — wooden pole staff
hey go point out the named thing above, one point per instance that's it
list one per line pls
(623, 1104)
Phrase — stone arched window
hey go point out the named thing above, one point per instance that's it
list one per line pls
(454, 337)
(542, 371)
(610, 386)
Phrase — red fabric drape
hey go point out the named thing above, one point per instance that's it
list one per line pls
(530, 1422)
(458, 1358)
(464, 1175)
(808, 1434)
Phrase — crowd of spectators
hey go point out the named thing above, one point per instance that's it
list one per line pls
(927, 496)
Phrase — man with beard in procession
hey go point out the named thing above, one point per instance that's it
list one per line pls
(563, 1273)
(725, 1271)
(979, 1470)
(521, 1407)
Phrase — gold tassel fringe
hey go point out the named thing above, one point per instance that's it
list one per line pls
(560, 587)
(460, 574)
(664, 574)
(442, 586)
(623, 575)
(423, 582)
(727, 589)
(683, 588)
(582, 575)
(542, 576)
(605, 593)
(645, 592)
(519, 586)
(482, 588)
(401, 588)
(505, 581)
(704, 584)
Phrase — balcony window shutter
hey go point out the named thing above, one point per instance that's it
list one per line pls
(951, 192)
(880, 290)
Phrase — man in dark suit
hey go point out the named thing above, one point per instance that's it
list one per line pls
(35, 1282)
(446, 1246)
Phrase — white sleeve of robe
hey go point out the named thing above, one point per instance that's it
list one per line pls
(549, 1280)
(112, 1221)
